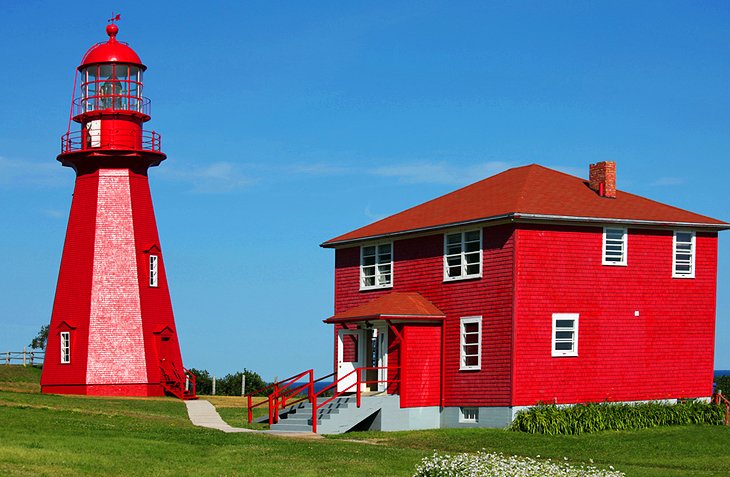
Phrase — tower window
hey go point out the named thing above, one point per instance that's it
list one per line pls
(65, 347)
(154, 259)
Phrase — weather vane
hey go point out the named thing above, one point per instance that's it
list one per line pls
(114, 18)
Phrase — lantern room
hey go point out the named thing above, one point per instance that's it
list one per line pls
(108, 104)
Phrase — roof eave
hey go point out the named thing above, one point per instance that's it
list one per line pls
(522, 217)
(382, 316)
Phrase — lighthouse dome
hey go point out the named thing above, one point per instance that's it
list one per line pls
(112, 51)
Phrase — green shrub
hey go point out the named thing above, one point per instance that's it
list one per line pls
(228, 385)
(579, 419)
(723, 383)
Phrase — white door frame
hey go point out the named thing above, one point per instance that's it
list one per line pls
(382, 356)
(345, 367)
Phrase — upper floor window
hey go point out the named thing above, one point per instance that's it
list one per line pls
(470, 342)
(463, 255)
(565, 334)
(683, 262)
(615, 241)
(154, 259)
(65, 347)
(376, 266)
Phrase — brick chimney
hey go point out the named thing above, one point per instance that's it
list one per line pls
(602, 178)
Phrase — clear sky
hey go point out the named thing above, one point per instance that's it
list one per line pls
(289, 123)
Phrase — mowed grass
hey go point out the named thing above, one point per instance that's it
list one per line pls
(78, 435)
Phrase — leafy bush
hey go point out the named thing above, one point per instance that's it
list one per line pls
(485, 464)
(230, 384)
(723, 383)
(578, 419)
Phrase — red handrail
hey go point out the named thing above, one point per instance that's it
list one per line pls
(358, 389)
(275, 400)
(720, 399)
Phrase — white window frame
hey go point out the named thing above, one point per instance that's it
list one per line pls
(381, 278)
(623, 242)
(65, 337)
(692, 254)
(469, 414)
(574, 340)
(462, 255)
(154, 263)
(462, 344)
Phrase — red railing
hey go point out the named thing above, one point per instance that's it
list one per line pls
(181, 383)
(83, 141)
(112, 102)
(281, 394)
(721, 400)
(358, 388)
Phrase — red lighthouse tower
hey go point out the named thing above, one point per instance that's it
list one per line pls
(112, 330)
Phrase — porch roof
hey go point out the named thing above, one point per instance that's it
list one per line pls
(392, 306)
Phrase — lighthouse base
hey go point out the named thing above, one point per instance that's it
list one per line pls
(128, 390)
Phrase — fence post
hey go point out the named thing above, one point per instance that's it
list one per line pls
(243, 384)
(7, 358)
(214, 385)
(25, 350)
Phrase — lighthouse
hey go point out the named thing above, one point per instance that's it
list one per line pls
(112, 329)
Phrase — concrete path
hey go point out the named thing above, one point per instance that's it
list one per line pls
(202, 413)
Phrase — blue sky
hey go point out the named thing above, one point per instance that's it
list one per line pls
(288, 123)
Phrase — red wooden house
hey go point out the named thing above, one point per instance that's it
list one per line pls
(529, 286)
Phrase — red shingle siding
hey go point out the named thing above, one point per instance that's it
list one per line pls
(73, 292)
(422, 366)
(418, 267)
(666, 352)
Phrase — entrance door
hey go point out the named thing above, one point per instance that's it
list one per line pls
(381, 338)
(350, 351)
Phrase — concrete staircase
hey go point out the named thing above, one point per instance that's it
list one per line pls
(338, 416)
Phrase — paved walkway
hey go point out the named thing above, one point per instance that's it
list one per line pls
(202, 413)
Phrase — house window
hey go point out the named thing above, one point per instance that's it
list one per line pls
(468, 414)
(376, 266)
(683, 263)
(614, 246)
(463, 255)
(65, 347)
(470, 343)
(565, 334)
(153, 270)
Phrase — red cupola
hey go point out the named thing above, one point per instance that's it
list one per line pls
(112, 330)
(109, 106)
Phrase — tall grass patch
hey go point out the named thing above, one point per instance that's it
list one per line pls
(580, 419)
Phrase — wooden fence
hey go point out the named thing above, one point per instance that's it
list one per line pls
(25, 357)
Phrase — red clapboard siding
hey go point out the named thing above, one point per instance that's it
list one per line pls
(666, 352)
(418, 267)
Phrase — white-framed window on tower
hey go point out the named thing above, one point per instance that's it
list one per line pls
(154, 269)
(615, 241)
(376, 266)
(65, 347)
(463, 255)
(470, 343)
(683, 258)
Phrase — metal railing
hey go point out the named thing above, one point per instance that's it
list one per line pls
(178, 381)
(720, 399)
(282, 392)
(25, 357)
(112, 102)
(83, 141)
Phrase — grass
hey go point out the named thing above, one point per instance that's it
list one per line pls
(79, 435)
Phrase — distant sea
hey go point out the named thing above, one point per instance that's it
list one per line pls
(722, 372)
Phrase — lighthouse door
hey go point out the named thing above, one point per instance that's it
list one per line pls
(350, 355)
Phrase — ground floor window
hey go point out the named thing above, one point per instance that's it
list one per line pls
(470, 342)
(565, 334)
(468, 414)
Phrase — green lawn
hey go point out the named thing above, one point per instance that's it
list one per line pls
(76, 435)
